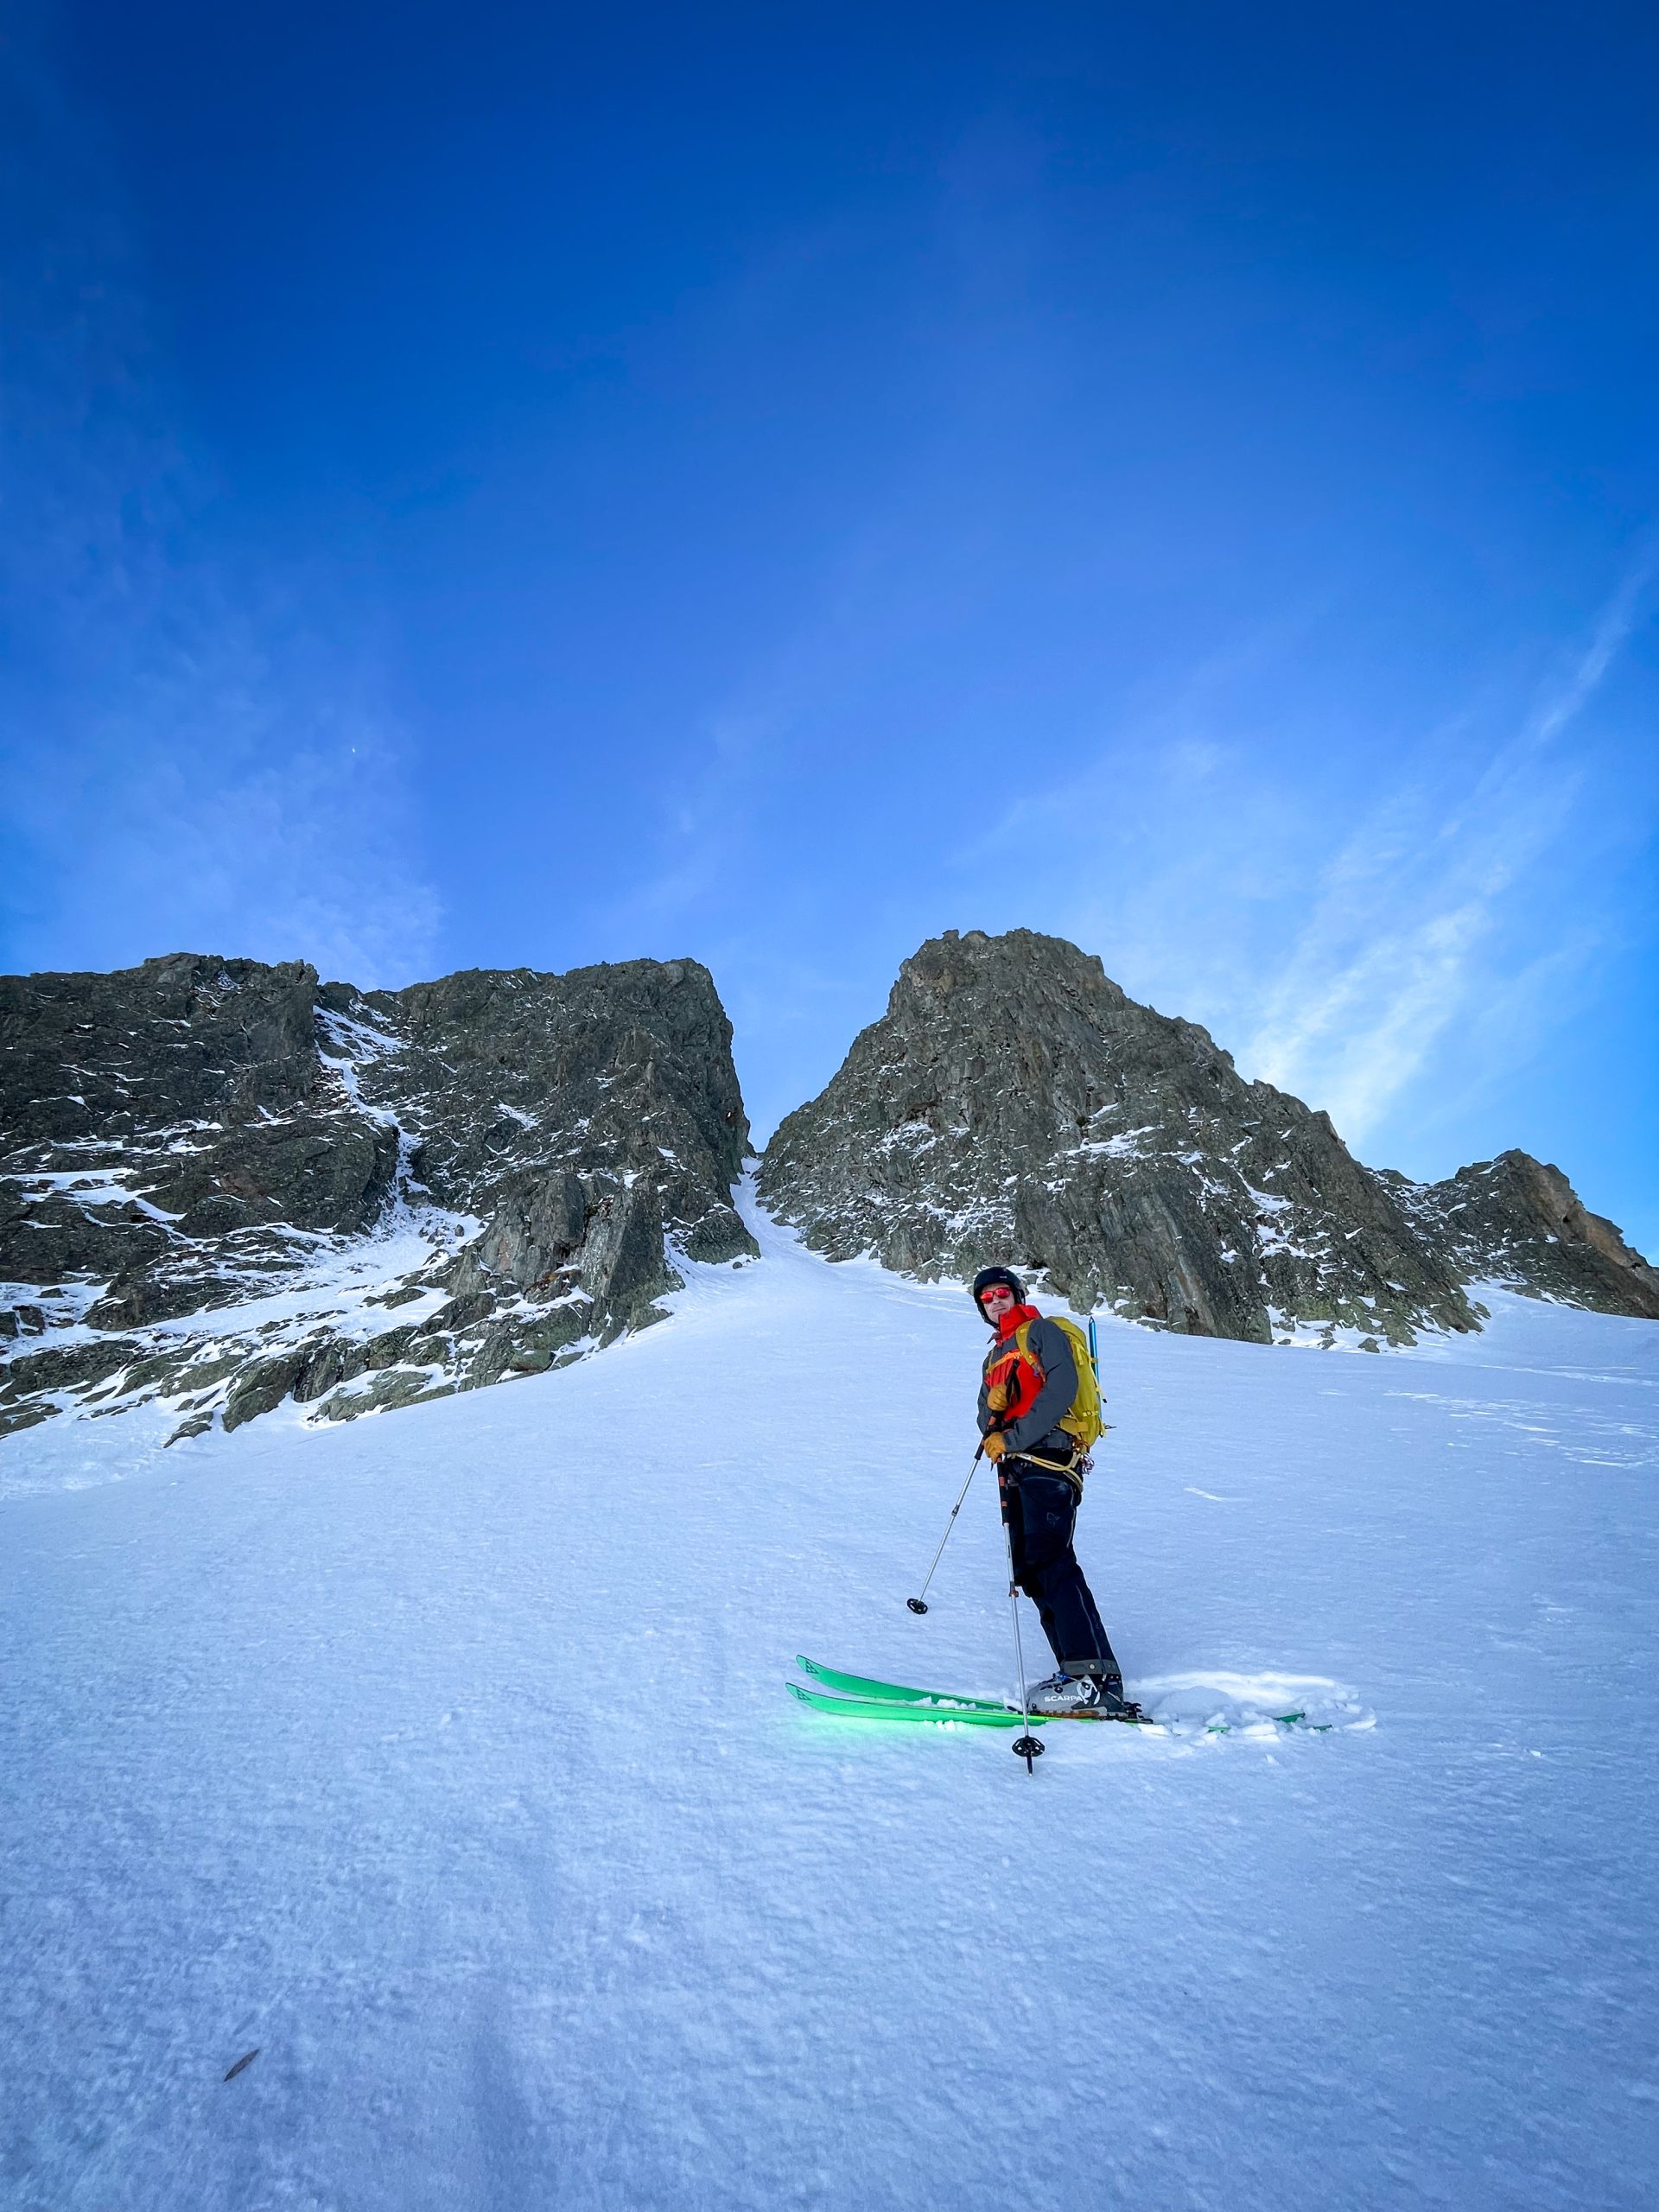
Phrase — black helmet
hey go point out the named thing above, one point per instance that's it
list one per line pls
(988, 1276)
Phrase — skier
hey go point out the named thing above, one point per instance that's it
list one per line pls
(1030, 1385)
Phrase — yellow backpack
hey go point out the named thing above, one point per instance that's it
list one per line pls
(1085, 1420)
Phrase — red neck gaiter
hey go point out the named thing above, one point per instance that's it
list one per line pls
(1015, 1318)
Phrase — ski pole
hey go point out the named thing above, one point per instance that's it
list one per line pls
(1028, 1747)
(919, 1605)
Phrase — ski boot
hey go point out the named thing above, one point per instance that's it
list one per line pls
(1098, 1697)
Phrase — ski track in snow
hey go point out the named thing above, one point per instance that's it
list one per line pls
(443, 1758)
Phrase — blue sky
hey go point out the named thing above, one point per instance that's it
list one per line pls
(521, 485)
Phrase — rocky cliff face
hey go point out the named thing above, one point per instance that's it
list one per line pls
(1012, 1104)
(1516, 1222)
(218, 1178)
(223, 1185)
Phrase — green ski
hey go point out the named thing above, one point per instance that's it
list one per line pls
(865, 1696)
(894, 1693)
(876, 1700)
(946, 1713)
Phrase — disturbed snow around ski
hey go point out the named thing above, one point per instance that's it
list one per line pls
(444, 1760)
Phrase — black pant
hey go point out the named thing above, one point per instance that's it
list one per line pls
(1040, 1510)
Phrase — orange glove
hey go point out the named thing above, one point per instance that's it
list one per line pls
(996, 1445)
(997, 1398)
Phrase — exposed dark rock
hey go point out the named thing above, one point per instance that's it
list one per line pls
(390, 1347)
(1516, 1222)
(184, 1039)
(46, 1236)
(262, 1386)
(204, 1373)
(335, 1360)
(332, 1172)
(1014, 1104)
(527, 1347)
(539, 1221)
(161, 1293)
(193, 1133)
(533, 1099)
(67, 1367)
(159, 1371)
(462, 1312)
(28, 1413)
(623, 1268)
(717, 1235)
(150, 1115)
(398, 1386)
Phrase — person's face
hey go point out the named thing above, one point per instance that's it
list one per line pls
(995, 1302)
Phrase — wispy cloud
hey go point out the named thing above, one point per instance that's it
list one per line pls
(1393, 950)
(192, 759)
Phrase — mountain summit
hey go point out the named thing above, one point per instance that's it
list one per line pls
(224, 1183)
(1014, 1103)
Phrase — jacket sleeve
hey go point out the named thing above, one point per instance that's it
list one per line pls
(1052, 1348)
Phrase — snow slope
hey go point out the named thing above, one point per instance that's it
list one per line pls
(444, 1759)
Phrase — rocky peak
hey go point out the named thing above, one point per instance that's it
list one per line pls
(504, 1157)
(1520, 1225)
(178, 1039)
(625, 1064)
(1014, 1103)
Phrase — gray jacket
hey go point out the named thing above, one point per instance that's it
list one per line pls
(1051, 1348)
